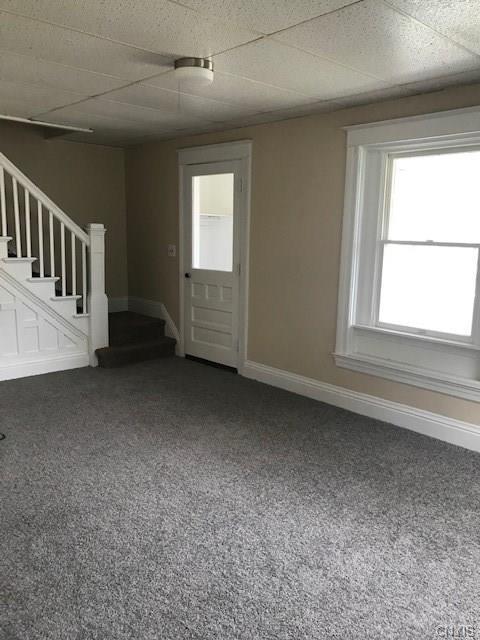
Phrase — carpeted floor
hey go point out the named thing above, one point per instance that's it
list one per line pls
(171, 501)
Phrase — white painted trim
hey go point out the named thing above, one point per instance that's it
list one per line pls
(463, 434)
(416, 376)
(226, 151)
(117, 304)
(48, 204)
(441, 124)
(432, 362)
(23, 369)
(236, 150)
(417, 118)
(170, 327)
(47, 309)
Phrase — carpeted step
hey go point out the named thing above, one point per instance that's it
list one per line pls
(126, 327)
(129, 353)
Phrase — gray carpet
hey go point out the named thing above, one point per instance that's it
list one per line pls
(170, 500)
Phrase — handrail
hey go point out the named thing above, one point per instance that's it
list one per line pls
(77, 270)
(37, 193)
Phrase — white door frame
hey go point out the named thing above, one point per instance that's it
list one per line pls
(239, 150)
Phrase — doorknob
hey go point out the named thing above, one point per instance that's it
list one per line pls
(187, 275)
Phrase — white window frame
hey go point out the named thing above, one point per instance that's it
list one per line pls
(432, 360)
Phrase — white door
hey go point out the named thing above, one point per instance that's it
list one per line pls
(211, 260)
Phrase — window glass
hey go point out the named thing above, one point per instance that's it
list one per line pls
(436, 197)
(429, 287)
(212, 222)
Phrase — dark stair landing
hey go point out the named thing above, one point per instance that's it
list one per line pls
(134, 338)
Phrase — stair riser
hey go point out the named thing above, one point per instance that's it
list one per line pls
(19, 270)
(3, 249)
(119, 360)
(43, 290)
(68, 309)
(136, 334)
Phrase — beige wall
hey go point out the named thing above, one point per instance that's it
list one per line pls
(87, 181)
(297, 208)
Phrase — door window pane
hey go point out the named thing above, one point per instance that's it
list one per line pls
(430, 288)
(212, 222)
(435, 197)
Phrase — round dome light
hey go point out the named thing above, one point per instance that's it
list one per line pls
(194, 71)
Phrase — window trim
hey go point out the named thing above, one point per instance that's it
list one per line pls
(370, 152)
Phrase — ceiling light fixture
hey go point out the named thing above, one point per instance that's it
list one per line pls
(194, 71)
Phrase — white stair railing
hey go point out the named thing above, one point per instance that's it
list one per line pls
(75, 258)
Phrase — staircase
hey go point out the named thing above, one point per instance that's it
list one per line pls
(53, 307)
(134, 338)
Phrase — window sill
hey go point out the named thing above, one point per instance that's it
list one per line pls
(419, 377)
(425, 339)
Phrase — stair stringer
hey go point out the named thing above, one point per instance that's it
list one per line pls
(66, 306)
(34, 338)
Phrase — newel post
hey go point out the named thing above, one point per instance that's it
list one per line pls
(97, 299)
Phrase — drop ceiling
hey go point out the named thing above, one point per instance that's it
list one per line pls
(108, 65)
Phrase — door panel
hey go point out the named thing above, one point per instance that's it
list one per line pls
(211, 261)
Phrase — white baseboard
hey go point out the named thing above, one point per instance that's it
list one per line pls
(170, 327)
(117, 304)
(463, 434)
(48, 365)
(156, 310)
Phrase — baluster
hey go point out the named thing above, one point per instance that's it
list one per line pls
(27, 224)
(40, 238)
(2, 202)
(84, 277)
(74, 264)
(52, 245)
(62, 252)
(18, 238)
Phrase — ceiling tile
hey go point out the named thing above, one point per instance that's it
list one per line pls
(439, 83)
(104, 128)
(306, 110)
(266, 17)
(457, 19)
(155, 25)
(177, 103)
(56, 44)
(286, 67)
(372, 37)
(411, 88)
(137, 116)
(17, 68)
(235, 90)
(284, 114)
(116, 139)
(25, 101)
(376, 96)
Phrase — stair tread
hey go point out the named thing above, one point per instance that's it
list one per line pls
(43, 279)
(15, 259)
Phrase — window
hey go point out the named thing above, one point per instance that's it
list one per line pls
(409, 301)
(212, 224)
(429, 244)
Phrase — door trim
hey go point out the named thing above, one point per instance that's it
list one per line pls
(238, 150)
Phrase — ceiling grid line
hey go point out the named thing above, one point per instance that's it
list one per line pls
(113, 69)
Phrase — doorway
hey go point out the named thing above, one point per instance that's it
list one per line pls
(214, 217)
